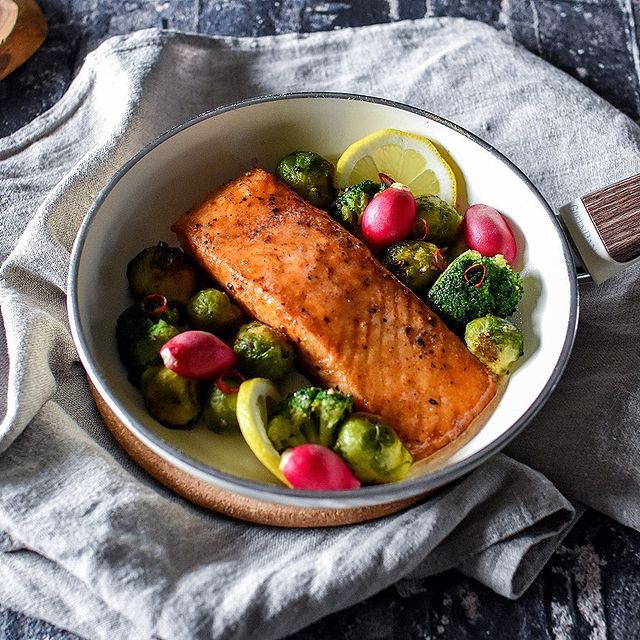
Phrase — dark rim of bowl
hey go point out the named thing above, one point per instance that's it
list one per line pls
(368, 495)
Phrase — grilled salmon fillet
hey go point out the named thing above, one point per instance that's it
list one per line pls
(356, 327)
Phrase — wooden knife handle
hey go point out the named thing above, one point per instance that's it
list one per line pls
(23, 29)
(605, 227)
(615, 211)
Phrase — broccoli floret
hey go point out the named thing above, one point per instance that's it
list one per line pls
(473, 286)
(308, 415)
(299, 409)
(330, 407)
(351, 203)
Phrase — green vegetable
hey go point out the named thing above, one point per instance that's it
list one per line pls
(164, 270)
(372, 449)
(140, 337)
(211, 310)
(284, 433)
(414, 262)
(441, 220)
(219, 411)
(473, 286)
(309, 175)
(495, 342)
(263, 352)
(351, 203)
(458, 247)
(170, 398)
(308, 415)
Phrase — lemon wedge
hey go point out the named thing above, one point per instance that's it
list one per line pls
(406, 157)
(251, 410)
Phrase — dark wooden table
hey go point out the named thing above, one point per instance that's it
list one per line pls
(591, 587)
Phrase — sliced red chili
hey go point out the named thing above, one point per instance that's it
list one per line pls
(469, 274)
(235, 376)
(154, 304)
(420, 229)
(439, 261)
(385, 179)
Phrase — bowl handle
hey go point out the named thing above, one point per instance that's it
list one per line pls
(23, 29)
(605, 228)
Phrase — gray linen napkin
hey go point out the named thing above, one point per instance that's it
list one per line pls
(87, 540)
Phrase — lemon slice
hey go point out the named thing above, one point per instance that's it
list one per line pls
(406, 157)
(251, 410)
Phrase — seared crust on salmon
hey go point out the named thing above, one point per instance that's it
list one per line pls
(356, 327)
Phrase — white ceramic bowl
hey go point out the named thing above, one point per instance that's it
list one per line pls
(165, 178)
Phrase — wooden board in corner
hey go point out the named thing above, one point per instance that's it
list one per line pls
(23, 29)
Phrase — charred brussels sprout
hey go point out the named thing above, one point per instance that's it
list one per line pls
(219, 411)
(351, 203)
(211, 310)
(162, 269)
(441, 221)
(263, 352)
(170, 398)
(495, 342)
(140, 337)
(309, 175)
(415, 263)
(473, 286)
(308, 415)
(372, 449)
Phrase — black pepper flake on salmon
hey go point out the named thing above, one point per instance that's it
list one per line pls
(387, 378)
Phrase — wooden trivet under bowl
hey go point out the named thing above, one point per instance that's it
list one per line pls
(227, 502)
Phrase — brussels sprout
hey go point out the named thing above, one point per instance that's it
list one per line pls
(170, 398)
(415, 263)
(211, 310)
(372, 449)
(162, 269)
(495, 342)
(309, 175)
(263, 352)
(442, 221)
(219, 411)
(140, 337)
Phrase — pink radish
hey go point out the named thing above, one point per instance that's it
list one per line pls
(198, 355)
(314, 467)
(486, 231)
(389, 217)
